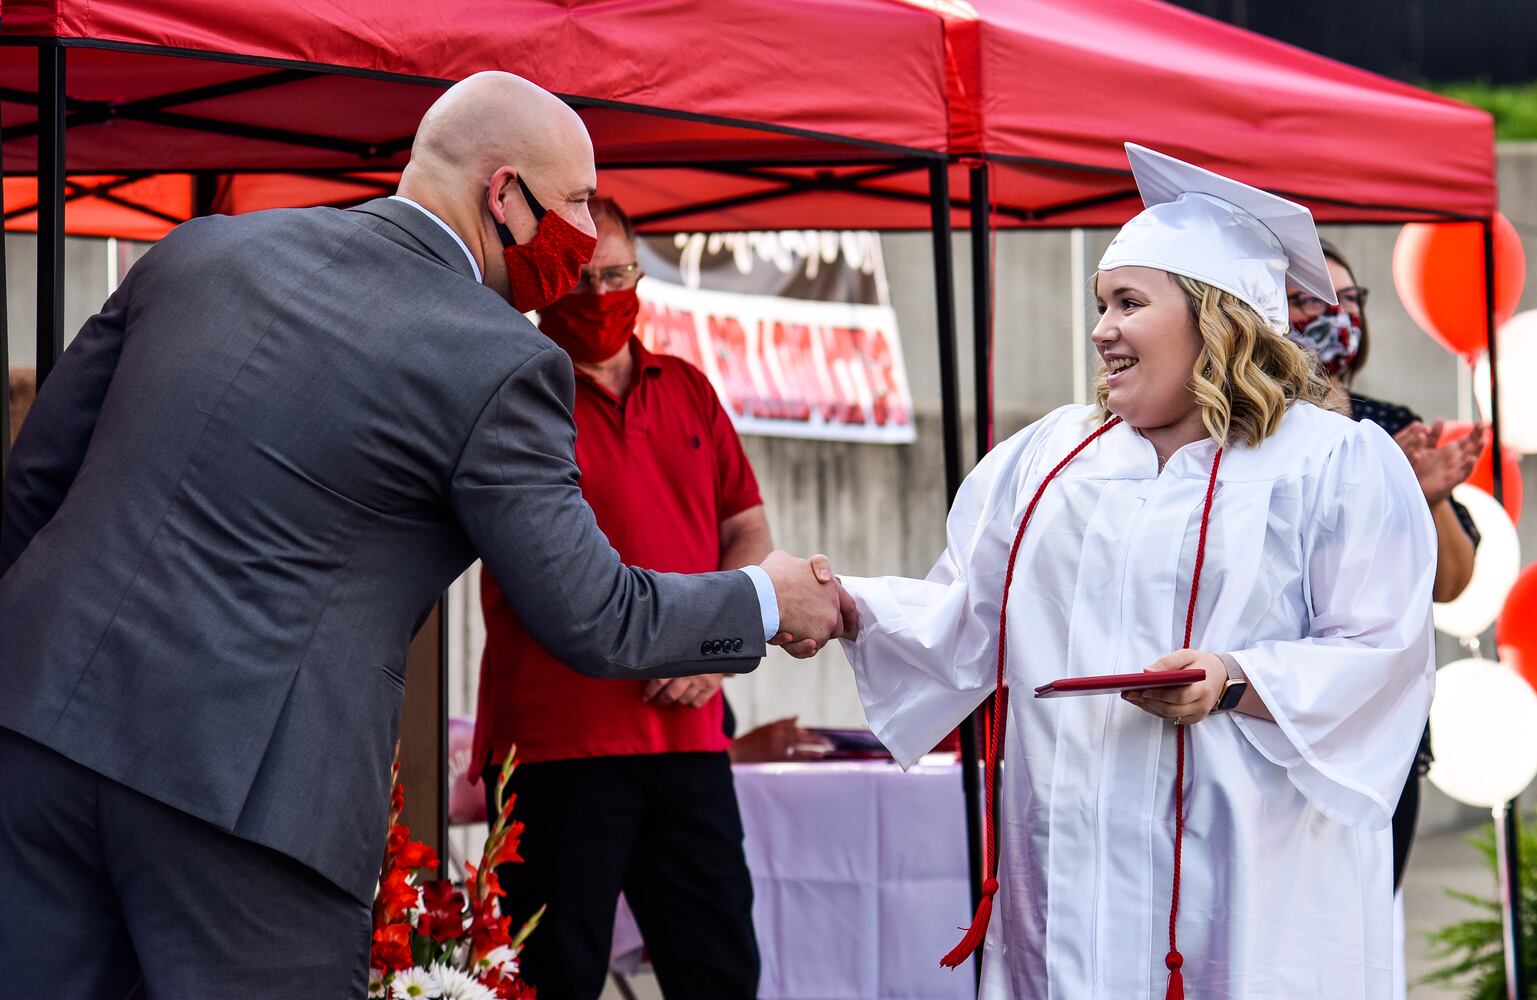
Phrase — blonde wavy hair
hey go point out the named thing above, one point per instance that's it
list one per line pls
(1245, 375)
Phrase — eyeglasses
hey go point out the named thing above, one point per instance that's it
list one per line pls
(1351, 297)
(615, 276)
(1354, 295)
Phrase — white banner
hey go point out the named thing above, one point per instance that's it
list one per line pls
(786, 366)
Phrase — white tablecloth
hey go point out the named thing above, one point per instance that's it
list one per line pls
(859, 877)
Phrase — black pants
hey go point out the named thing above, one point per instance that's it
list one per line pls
(665, 829)
(1404, 818)
(104, 887)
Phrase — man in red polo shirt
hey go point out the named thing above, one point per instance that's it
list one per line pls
(626, 785)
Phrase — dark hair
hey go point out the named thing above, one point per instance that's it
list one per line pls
(604, 207)
(1358, 362)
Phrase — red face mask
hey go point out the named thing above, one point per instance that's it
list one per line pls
(591, 327)
(549, 265)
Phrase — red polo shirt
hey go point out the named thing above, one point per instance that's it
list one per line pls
(661, 468)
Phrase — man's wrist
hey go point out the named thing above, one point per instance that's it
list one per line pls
(768, 601)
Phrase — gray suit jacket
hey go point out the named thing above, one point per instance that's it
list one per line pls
(243, 487)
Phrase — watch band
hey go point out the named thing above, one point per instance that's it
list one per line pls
(1236, 687)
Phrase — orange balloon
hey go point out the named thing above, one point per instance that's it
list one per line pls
(1438, 269)
(1483, 472)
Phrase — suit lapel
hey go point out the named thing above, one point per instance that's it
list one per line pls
(419, 232)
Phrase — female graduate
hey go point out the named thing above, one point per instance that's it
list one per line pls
(1228, 837)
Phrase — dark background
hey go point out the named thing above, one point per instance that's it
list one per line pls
(1436, 41)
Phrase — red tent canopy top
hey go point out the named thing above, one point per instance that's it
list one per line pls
(726, 114)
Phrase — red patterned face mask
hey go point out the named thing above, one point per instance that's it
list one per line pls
(547, 266)
(591, 327)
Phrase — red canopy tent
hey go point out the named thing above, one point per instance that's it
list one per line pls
(716, 114)
(1046, 89)
(711, 115)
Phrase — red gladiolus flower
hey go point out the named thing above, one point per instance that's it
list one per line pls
(416, 855)
(391, 949)
(507, 851)
(444, 919)
(396, 895)
(507, 989)
(488, 932)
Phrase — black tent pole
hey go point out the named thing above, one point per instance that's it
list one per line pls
(950, 405)
(982, 356)
(982, 306)
(1507, 825)
(50, 208)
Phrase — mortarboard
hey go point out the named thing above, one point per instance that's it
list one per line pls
(1220, 231)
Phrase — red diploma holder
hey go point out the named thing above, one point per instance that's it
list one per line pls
(1071, 687)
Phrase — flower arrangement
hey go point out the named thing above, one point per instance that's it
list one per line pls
(433, 940)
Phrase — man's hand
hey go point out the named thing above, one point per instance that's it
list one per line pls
(1440, 467)
(1190, 703)
(780, 740)
(690, 692)
(808, 599)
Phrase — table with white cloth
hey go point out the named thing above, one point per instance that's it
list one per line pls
(859, 880)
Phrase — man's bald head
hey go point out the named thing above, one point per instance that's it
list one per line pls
(495, 119)
(473, 145)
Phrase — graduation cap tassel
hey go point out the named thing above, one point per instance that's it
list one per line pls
(997, 718)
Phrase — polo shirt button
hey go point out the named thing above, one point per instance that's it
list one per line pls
(704, 648)
(736, 647)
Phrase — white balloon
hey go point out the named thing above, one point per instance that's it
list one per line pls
(1483, 731)
(1517, 344)
(1496, 564)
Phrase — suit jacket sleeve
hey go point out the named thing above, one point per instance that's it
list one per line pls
(51, 447)
(515, 491)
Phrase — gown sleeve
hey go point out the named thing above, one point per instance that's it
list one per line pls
(1350, 698)
(927, 650)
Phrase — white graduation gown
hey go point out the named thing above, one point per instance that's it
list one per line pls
(1317, 579)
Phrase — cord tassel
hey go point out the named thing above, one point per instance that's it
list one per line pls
(1176, 981)
(977, 932)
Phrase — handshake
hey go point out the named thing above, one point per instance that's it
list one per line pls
(814, 608)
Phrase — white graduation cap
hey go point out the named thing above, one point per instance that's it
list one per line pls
(1214, 229)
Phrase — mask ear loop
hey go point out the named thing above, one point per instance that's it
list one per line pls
(538, 210)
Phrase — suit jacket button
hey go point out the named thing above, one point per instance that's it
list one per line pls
(736, 647)
(704, 648)
(718, 646)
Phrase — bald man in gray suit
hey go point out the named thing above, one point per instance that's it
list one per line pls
(231, 506)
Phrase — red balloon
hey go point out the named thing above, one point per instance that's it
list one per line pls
(1516, 632)
(1483, 472)
(1438, 269)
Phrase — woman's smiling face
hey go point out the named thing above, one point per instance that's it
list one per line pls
(1148, 341)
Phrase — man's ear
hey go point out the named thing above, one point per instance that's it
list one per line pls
(502, 183)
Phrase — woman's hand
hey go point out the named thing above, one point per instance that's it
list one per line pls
(1440, 467)
(1190, 703)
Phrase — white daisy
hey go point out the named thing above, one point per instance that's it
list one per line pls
(458, 985)
(503, 959)
(415, 983)
(376, 987)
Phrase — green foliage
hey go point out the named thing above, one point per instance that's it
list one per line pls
(1472, 950)
(1514, 106)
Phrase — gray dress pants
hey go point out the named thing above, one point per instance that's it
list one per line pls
(110, 894)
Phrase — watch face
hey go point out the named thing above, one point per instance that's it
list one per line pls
(1232, 695)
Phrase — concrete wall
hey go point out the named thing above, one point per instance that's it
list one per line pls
(879, 509)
